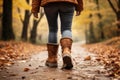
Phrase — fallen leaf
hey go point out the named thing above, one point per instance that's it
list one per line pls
(108, 53)
(87, 58)
(13, 74)
(12, 50)
(26, 69)
(9, 63)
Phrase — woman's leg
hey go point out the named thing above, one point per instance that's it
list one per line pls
(66, 16)
(51, 13)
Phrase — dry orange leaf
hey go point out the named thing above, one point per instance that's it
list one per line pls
(26, 69)
(87, 58)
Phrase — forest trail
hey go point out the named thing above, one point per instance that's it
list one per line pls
(85, 68)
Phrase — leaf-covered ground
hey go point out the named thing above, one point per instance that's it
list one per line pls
(12, 50)
(109, 54)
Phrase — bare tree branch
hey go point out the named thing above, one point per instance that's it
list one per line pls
(30, 14)
(41, 15)
(118, 3)
(20, 15)
(112, 6)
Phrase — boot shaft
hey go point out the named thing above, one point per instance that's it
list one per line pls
(52, 50)
(66, 43)
(52, 55)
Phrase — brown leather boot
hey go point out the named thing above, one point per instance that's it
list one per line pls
(52, 55)
(66, 44)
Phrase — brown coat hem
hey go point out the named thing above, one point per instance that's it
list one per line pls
(37, 3)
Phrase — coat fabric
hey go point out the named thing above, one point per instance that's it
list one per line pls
(37, 3)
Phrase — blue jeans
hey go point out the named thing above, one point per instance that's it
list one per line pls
(65, 11)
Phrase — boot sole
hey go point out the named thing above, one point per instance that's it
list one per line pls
(67, 63)
(51, 65)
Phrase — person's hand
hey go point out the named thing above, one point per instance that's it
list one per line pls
(78, 13)
(35, 15)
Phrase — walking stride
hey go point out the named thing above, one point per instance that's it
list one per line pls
(65, 9)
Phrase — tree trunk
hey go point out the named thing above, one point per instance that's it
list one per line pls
(118, 18)
(7, 30)
(87, 36)
(101, 26)
(97, 3)
(118, 25)
(91, 30)
(25, 24)
(34, 32)
(117, 12)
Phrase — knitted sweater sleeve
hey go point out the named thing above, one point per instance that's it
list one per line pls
(35, 6)
(79, 7)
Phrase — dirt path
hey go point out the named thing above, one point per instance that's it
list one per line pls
(34, 68)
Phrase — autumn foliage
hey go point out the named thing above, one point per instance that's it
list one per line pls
(10, 51)
(109, 54)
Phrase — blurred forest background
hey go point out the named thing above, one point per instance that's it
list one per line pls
(99, 21)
